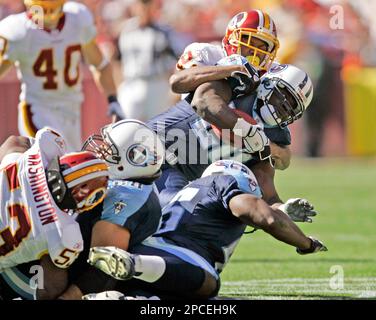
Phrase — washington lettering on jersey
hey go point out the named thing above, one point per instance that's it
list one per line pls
(39, 189)
(31, 223)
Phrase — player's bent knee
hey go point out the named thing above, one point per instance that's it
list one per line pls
(209, 288)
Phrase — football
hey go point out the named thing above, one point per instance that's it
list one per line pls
(227, 136)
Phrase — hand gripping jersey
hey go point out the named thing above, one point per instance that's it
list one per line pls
(31, 224)
(197, 225)
(48, 61)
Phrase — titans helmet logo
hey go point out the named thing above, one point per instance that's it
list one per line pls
(278, 68)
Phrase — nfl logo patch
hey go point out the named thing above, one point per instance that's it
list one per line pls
(119, 207)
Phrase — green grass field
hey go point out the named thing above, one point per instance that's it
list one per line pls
(344, 193)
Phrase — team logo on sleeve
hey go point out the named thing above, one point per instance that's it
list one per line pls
(252, 184)
(119, 206)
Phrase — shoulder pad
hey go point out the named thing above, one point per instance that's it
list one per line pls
(200, 54)
(14, 27)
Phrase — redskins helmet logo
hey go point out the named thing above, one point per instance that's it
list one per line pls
(238, 20)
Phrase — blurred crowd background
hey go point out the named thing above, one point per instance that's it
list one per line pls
(339, 55)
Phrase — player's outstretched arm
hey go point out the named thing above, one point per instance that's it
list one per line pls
(256, 213)
(188, 80)
(103, 77)
(264, 173)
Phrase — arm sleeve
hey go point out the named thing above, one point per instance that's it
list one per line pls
(231, 186)
(122, 205)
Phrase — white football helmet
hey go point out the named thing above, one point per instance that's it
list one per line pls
(285, 92)
(228, 167)
(131, 149)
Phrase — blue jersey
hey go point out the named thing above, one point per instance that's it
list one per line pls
(129, 204)
(198, 226)
(194, 143)
(134, 206)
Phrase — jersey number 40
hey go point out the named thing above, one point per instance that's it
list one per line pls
(44, 67)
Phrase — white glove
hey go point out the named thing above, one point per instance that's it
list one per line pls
(316, 246)
(254, 137)
(298, 209)
(114, 295)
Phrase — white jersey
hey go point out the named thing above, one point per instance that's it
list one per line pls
(200, 54)
(48, 61)
(31, 224)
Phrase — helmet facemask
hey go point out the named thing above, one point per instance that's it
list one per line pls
(260, 58)
(277, 104)
(103, 148)
(131, 149)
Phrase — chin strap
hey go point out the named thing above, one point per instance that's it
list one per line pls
(58, 187)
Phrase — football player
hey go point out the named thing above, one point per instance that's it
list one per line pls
(46, 44)
(199, 231)
(251, 34)
(283, 95)
(131, 211)
(40, 189)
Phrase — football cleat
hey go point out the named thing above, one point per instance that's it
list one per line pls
(113, 261)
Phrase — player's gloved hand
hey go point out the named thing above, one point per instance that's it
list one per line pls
(254, 137)
(298, 209)
(114, 109)
(316, 246)
(241, 82)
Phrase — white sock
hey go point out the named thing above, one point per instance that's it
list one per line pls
(150, 267)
